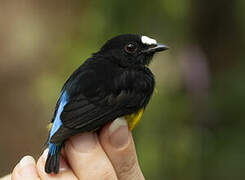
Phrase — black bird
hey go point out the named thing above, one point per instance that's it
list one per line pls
(114, 83)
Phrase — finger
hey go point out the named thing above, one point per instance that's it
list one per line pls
(117, 141)
(87, 158)
(7, 177)
(25, 169)
(65, 172)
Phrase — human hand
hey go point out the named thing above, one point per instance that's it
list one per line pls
(111, 155)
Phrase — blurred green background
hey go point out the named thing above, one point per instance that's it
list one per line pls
(193, 129)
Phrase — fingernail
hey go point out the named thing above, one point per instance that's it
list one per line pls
(45, 154)
(27, 167)
(84, 142)
(118, 132)
(63, 165)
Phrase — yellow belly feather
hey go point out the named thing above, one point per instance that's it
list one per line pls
(49, 126)
(134, 118)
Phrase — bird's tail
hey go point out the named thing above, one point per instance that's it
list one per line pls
(53, 159)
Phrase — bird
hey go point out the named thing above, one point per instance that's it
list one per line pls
(114, 82)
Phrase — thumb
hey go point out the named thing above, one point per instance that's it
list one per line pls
(117, 141)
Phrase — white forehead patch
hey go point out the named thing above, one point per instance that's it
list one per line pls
(147, 40)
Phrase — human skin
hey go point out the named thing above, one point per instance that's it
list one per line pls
(110, 155)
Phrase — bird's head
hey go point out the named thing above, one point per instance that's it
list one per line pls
(131, 49)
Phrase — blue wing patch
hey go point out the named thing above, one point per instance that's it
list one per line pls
(57, 121)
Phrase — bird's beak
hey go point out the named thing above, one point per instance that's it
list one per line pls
(156, 48)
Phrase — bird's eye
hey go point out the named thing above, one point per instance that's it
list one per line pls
(131, 48)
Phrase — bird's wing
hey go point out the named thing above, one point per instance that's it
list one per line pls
(87, 114)
(81, 114)
(55, 110)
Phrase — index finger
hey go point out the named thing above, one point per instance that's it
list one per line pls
(87, 158)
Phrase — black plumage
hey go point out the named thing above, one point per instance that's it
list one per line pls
(114, 82)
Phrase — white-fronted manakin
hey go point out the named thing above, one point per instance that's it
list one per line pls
(114, 83)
